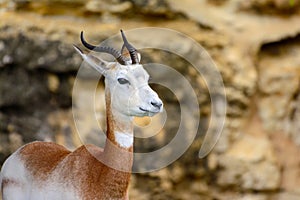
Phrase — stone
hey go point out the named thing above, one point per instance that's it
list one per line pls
(286, 195)
(154, 7)
(263, 176)
(294, 126)
(279, 84)
(15, 140)
(273, 109)
(53, 83)
(108, 6)
(271, 6)
(287, 152)
(250, 164)
(253, 197)
(50, 55)
(274, 78)
(31, 82)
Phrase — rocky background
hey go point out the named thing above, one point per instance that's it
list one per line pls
(255, 44)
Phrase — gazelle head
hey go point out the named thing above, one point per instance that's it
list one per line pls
(125, 80)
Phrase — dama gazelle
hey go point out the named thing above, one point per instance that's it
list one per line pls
(44, 170)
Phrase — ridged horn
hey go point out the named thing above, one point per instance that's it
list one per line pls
(131, 49)
(109, 50)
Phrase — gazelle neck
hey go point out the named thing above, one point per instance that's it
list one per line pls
(118, 124)
(118, 149)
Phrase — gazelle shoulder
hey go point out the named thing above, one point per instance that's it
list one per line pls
(40, 158)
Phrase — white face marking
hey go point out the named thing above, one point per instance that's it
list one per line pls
(130, 92)
(125, 140)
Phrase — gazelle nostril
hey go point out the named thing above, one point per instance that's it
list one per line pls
(156, 104)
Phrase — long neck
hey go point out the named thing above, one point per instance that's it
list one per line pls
(119, 143)
(117, 155)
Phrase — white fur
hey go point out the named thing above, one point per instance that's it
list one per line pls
(14, 170)
(125, 140)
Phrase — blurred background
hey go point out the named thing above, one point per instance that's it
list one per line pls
(254, 43)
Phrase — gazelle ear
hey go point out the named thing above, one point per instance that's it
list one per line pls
(97, 63)
(139, 56)
(126, 55)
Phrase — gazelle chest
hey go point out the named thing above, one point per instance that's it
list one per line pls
(125, 140)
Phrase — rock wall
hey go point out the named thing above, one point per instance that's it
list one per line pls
(255, 44)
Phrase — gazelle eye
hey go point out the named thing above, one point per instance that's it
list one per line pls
(123, 81)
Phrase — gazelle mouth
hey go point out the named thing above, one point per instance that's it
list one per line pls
(147, 111)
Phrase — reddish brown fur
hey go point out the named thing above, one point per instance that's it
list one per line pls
(42, 157)
(99, 181)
